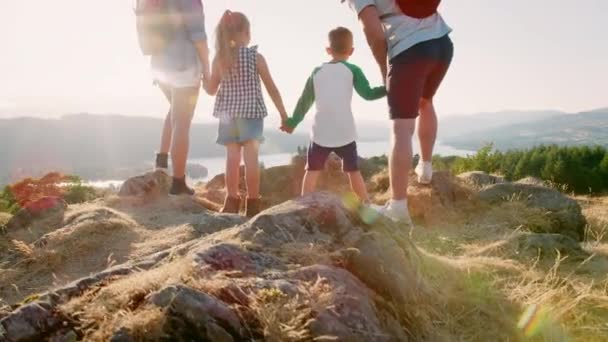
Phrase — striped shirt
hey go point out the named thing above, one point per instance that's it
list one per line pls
(240, 93)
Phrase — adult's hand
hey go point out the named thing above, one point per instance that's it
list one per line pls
(374, 32)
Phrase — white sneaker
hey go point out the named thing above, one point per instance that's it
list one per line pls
(424, 170)
(395, 210)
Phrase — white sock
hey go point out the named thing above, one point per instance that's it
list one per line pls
(399, 204)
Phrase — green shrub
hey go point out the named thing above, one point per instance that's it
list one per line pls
(581, 169)
(78, 193)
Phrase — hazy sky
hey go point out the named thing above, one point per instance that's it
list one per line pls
(66, 56)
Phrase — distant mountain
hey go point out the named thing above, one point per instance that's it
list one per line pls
(587, 128)
(459, 125)
(103, 146)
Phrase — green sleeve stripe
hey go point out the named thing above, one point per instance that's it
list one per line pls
(362, 85)
(307, 99)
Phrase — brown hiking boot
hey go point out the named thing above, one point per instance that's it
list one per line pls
(232, 205)
(254, 206)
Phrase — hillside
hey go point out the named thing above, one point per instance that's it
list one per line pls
(479, 266)
(102, 146)
(587, 128)
(461, 125)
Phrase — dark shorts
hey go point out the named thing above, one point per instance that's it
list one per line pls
(416, 74)
(317, 156)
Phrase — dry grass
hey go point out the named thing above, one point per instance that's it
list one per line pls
(284, 318)
(103, 311)
(490, 291)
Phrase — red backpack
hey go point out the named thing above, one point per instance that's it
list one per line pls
(418, 8)
(156, 25)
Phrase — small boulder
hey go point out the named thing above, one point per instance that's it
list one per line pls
(430, 202)
(150, 185)
(480, 179)
(532, 181)
(31, 322)
(350, 314)
(196, 171)
(549, 244)
(564, 211)
(193, 309)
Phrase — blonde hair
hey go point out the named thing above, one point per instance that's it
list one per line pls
(231, 24)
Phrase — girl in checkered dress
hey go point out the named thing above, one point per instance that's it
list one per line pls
(236, 78)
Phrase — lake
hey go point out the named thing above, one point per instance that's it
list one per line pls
(366, 150)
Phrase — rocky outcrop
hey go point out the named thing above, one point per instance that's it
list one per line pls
(312, 255)
(563, 211)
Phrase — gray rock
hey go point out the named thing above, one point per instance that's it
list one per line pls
(351, 313)
(30, 322)
(196, 171)
(229, 257)
(549, 244)
(199, 310)
(564, 211)
(532, 181)
(480, 179)
(385, 267)
(151, 185)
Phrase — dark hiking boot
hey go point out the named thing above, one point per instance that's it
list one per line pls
(254, 206)
(162, 162)
(179, 187)
(232, 205)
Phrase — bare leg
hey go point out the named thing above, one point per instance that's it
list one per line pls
(309, 184)
(357, 183)
(401, 157)
(233, 168)
(427, 129)
(183, 105)
(252, 168)
(165, 140)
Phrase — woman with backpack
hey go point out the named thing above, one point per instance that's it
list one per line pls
(173, 34)
(410, 42)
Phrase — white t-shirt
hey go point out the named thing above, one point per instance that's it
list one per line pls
(403, 32)
(330, 88)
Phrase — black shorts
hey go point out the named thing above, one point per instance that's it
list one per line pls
(416, 74)
(317, 156)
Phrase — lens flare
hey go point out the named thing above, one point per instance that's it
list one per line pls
(537, 321)
(367, 214)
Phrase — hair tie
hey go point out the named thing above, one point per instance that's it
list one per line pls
(228, 19)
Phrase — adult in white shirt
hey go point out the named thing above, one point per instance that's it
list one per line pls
(414, 54)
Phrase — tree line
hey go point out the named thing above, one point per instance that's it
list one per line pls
(578, 169)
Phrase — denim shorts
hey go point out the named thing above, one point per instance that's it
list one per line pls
(416, 74)
(317, 157)
(240, 131)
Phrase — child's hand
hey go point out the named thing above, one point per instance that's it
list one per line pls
(285, 128)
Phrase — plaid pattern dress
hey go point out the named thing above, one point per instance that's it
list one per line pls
(240, 93)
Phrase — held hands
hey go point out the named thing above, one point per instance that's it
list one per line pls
(284, 127)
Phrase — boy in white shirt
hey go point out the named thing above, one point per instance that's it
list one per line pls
(330, 87)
